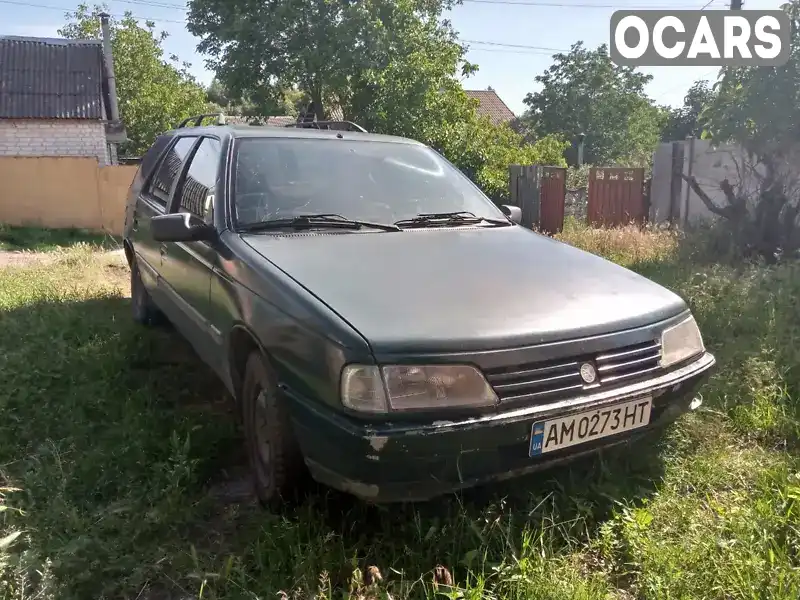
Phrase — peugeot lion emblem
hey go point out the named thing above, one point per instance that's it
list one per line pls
(588, 374)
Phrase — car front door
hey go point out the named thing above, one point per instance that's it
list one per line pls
(152, 202)
(186, 267)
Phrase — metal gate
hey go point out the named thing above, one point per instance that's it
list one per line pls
(552, 190)
(616, 196)
(539, 192)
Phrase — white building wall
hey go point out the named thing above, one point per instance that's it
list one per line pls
(56, 137)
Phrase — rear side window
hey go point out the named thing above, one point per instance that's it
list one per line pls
(169, 168)
(201, 178)
(151, 156)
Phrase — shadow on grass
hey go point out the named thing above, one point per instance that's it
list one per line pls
(36, 239)
(117, 434)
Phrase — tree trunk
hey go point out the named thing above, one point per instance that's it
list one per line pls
(316, 102)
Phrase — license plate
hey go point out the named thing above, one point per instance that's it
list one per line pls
(579, 428)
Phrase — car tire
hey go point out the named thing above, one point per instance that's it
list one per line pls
(145, 312)
(275, 459)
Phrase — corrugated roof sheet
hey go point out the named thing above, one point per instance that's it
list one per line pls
(45, 78)
(491, 105)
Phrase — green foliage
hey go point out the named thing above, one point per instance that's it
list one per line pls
(154, 93)
(484, 152)
(578, 177)
(390, 66)
(284, 103)
(413, 90)
(259, 48)
(689, 119)
(758, 107)
(584, 92)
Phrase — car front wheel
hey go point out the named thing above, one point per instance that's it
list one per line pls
(275, 458)
(145, 311)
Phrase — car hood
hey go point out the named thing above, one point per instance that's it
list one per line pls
(465, 289)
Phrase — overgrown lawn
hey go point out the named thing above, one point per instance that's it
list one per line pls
(119, 459)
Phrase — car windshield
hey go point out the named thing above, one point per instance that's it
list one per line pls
(366, 180)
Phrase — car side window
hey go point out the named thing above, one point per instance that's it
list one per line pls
(197, 189)
(169, 169)
(150, 158)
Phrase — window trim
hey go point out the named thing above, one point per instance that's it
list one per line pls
(175, 201)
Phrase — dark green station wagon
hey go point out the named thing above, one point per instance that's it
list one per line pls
(386, 327)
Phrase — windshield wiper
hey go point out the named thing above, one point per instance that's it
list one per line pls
(316, 221)
(448, 219)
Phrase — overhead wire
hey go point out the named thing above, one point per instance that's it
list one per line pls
(502, 47)
(583, 5)
(65, 10)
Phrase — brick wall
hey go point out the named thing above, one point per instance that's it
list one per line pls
(57, 137)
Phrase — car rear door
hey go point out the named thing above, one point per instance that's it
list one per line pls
(186, 267)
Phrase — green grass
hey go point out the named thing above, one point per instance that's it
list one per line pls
(113, 439)
(35, 239)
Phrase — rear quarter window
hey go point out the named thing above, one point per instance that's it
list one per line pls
(150, 157)
(148, 163)
(146, 166)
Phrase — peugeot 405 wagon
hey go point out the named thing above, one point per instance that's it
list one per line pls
(382, 324)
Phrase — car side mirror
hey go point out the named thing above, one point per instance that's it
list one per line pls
(178, 227)
(512, 212)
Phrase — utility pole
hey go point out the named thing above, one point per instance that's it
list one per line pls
(736, 4)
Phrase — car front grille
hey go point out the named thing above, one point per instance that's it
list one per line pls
(545, 382)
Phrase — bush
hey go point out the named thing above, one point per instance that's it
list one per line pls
(578, 177)
(484, 151)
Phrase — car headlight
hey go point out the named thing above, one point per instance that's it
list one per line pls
(680, 342)
(368, 388)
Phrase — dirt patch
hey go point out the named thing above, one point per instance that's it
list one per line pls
(10, 258)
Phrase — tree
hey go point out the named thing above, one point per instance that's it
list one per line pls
(758, 109)
(257, 48)
(154, 93)
(484, 151)
(283, 103)
(688, 119)
(584, 92)
(392, 66)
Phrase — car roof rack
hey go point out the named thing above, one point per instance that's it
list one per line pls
(327, 125)
(197, 120)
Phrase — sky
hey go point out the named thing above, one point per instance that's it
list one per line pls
(494, 29)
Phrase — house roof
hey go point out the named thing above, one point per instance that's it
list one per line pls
(490, 105)
(49, 78)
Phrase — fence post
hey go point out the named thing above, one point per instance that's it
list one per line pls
(676, 183)
(690, 139)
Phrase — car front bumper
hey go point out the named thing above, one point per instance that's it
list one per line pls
(401, 462)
